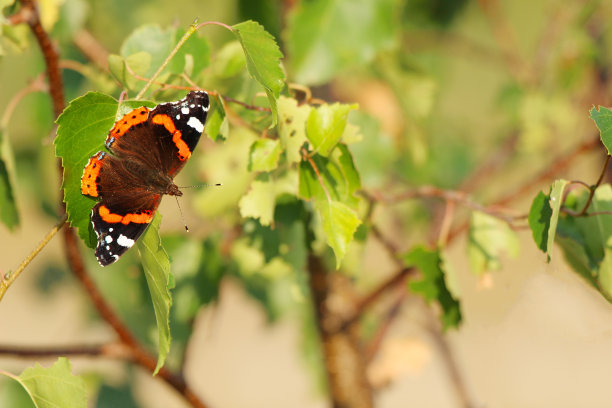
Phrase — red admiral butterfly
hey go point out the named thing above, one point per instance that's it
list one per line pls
(147, 149)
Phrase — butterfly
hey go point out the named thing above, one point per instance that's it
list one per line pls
(146, 150)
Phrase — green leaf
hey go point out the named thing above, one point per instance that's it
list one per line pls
(586, 242)
(156, 266)
(216, 121)
(53, 387)
(292, 127)
(259, 202)
(339, 224)
(264, 155)
(433, 285)
(12, 394)
(325, 126)
(489, 237)
(82, 130)
(9, 215)
(338, 176)
(326, 37)
(539, 220)
(603, 119)
(263, 59)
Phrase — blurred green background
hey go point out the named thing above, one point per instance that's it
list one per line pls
(444, 87)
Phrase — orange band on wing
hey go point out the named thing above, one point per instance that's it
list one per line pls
(135, 117)
(90, 174)
(144, 217)
(177, 137)
(165, 120)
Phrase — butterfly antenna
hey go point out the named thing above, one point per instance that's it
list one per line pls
(181, 212)
(202, 185)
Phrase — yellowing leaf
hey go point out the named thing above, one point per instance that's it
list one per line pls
(53, 387)
(259, 202)
(489, 237)
(339, 224)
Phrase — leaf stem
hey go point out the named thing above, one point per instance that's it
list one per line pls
(6, 283)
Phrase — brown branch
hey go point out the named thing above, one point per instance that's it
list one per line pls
(111, 350)
(344, 360)
(432, 326)
(91, 48)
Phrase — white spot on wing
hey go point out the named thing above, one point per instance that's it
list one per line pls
(196, 124)
(178, 117)
(108, 239)
(185, 110)
(125, 241)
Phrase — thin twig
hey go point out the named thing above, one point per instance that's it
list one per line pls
(373, 345)
(182, 41)
(9, 280)
(37, 85)
(594, 187)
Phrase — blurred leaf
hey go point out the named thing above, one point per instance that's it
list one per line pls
(339, 223)
(127, 69)
(374, 154)
(540, 115)
(489, 237)
(230, 60)
(259, 202)
(53, 387)
(287, 238)
(72, 18)
(195, 49)
(113, 397)
(325, 126)
(152, 39)
(156, 266)
(48, 11)
(292, 127)
(586, 242)
(326, 37)
(264, 155)
(82, 129)
(433, 285)
(603, 119)
(263, 59)
(14, 39)
(9, 214)
(216, 121)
